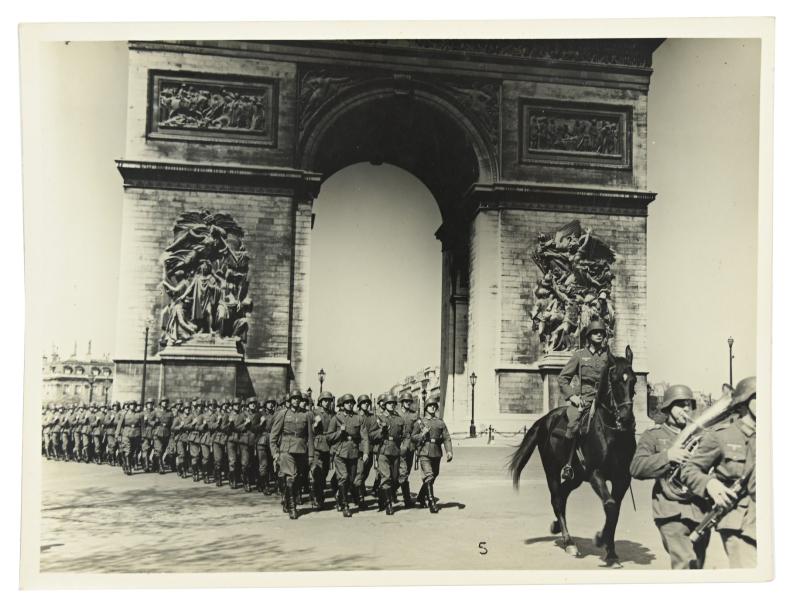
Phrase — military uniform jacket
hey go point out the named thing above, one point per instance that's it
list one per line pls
(86, 423)
(163, 423)
(148, 424)
(430, 434)
(55, 424)
(263, 426)
(388, 433)
(731, 451)
(241, 424)
(651, 462)
(110, 423)
(586, 364)
(204, 429)
(349, 443)
(130, 425)
(410, 418)
(230, 427)
(178, 424)
(216, 423)
(292, 432)
(97, 424)
(321, 419)
(371, 444)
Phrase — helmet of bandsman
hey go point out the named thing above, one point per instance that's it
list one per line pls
(675, 393)
(745, 390)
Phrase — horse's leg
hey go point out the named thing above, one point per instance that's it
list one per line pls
(558, 499)
(618, 489)
(611, 504)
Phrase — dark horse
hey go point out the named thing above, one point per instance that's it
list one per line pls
(607, 450)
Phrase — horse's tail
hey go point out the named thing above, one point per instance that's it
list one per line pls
(524, 451)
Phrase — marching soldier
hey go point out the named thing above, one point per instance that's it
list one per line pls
(161, 428)
(321, 418)
(429, 435)
(219, 439)
(266, 471)
(586, 364)
(347, 438)
(149, 422)
(112, 444)
(129, 431)
(57, 425)
(246, 425)
(724, 459)
(410, 415)
(232, 441)
(655, 454)
(291, 441)
(98, 419)
(178, 435)
(365, 462)
(84, 433)
(195, 426)
(388, 433)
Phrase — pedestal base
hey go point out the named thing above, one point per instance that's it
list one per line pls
(205, 366)
(550, 367)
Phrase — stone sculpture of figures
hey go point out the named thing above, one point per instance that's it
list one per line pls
(211, 107)
(574, 289)
(204, 278)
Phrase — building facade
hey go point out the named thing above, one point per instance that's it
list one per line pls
(77, 379)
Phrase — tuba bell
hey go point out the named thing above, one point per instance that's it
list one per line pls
(689, 439)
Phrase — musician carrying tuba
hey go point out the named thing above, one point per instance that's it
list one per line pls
(658, 456)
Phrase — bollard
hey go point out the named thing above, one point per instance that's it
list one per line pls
(491, 435)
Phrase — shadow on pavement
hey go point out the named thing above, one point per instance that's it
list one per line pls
(627, 550)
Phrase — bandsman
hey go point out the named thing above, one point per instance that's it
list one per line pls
(429, 435)
(655, 456)
(726, 458)
(292, 443)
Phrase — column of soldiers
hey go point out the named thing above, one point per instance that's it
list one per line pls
(285, 445)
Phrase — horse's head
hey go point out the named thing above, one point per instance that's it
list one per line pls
(619, 382)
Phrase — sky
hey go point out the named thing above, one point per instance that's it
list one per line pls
(702, 154)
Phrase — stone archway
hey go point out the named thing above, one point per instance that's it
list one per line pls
(514, 138)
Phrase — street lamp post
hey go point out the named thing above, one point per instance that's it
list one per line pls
(321, 375)
(472, 379)
(424, 398)
(730, 361)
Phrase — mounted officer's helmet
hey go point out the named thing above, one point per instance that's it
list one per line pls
(324, 396)
(406, 397)
(596, 326)
(745, 390)
(675, 393)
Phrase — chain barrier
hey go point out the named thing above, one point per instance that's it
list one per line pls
(491, 432)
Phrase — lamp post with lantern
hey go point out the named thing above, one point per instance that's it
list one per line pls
(472, 379)
(321, 376)
(730, 361)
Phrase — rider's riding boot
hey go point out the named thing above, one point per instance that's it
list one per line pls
(567, 473)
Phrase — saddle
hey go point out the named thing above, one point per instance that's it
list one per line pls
(560, 428)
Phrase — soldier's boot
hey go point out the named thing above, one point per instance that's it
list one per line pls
(567, 474)
(128, 468)
(393, 492)
(217, 476)
(387, 494)
(290, 493)
(376, 487)
(334, 484)
(313, 496)
(345, 503)
(381, 499)
(246, 480)
(422, 496)
(407, 501)
(210, 472)
(432, 505)
(232, 478)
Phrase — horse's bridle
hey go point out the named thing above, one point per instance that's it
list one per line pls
(616, 406)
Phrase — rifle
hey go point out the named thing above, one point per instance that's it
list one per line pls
(717, 512)
(419, 445)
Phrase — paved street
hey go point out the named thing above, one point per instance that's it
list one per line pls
(95, 519)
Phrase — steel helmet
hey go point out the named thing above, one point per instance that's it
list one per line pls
(432, 402)
(390, 400)
(348, 398)
(596, 325)
(675, 393)
(406, 396)
(381, 399)
(324, 396)
(295, 394)
(744, 391)
(363, 398)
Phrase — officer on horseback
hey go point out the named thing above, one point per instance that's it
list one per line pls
(587, 364)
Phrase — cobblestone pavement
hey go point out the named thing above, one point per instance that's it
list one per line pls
(95, 519)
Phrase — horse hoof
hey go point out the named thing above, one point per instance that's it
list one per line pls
(571, 550)
(598, 539)
(555, 527)
(613, 563)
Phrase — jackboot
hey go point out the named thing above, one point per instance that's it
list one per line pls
(422, 496)
(232, 479)
(387, 495)
(407, 501)
(246, 480)
(345, 506)
(432, 506)
(290, 491)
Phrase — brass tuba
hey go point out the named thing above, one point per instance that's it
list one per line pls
(689, 439)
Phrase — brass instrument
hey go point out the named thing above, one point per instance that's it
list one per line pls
(717, 512)
(689, 439)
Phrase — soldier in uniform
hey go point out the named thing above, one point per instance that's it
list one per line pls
(246, 426)
(178, 434)
(725, 456)
(129, 431)
(266, 471)
(429, 435)
(84, 433)
(388, 433)
(56, 424)
(98, 418)
(655, 455)
(110, 423)
(321, 419)
(291, 441)
(161, 424)
(148, 425)
(348, 439)
(586, 364)
(407, 448)
(232, 441)
(219, 437)
(365, 462)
